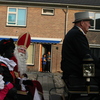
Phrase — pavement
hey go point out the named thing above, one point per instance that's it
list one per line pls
(48, 81)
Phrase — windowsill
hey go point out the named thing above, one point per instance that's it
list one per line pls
(15, 26)
(30, 64)
(48, 14)
(94, 30)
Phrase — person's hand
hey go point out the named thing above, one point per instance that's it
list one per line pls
(16, 74)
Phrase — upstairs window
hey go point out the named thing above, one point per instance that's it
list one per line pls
(46, 11)
(95, 23)
(16, 16)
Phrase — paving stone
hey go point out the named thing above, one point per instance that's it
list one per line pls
(32, 75)
(48, 81)
(59, 83)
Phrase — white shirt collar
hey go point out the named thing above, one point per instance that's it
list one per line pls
(81, 30)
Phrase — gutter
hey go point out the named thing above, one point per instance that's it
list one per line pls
(66, 20)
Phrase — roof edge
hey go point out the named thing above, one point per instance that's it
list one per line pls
(44, 3)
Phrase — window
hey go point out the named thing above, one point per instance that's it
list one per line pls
(30, 51)
(16, 16)
(95, 23)
(95, 50)
(47, 11)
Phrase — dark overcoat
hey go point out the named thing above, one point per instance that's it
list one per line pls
(75, 47)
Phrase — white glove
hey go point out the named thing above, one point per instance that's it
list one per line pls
(1, 82)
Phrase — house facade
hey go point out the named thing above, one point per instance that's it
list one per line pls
(47, 22)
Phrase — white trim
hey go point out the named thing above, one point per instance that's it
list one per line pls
(47, 13)
(94, 45)
(2, 36)
(32, 38)
(39, 38)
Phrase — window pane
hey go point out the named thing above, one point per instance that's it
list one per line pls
(30, 51)
(91, 14)
(12, 18)
(97, 18)
(12, 9)
(21, 17)
(95, 52)
(48, 11)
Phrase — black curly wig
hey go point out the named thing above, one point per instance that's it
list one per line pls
(6, 44)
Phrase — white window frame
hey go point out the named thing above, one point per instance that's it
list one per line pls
(94, 27)
(16, 15)
(94, 45)
(47, 13)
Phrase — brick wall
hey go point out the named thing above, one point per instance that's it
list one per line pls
(39, 25)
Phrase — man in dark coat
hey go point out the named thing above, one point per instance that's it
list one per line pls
(76, 47)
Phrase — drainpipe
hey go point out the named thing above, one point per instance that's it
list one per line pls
(66, 19)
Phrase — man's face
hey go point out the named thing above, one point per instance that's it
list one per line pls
(22, 53)
(22, 50)
(85, 26)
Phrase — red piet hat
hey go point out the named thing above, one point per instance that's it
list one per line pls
(24, 40)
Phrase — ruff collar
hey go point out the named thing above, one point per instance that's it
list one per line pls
(10, 63)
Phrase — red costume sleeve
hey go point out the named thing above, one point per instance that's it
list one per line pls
(15, 60)
(4, 92)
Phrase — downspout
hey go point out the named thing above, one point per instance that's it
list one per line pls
(66, 19)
